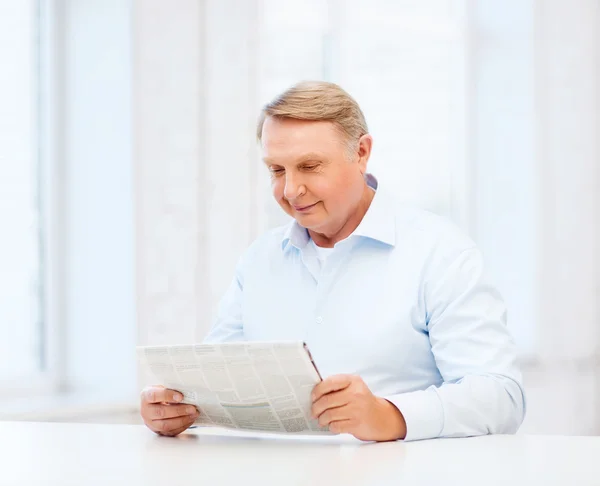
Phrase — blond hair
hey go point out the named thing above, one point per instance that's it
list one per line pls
(318, 101)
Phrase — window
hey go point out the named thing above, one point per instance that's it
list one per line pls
(66, 249)
(22, 345)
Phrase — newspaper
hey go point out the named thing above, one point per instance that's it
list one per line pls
(253, 385)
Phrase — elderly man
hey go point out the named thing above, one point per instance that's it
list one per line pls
(392, 301)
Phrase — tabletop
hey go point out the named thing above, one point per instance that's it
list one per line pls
(80, 454)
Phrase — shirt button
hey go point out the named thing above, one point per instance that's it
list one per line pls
(319, 320)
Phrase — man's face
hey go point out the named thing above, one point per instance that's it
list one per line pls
(314, 178)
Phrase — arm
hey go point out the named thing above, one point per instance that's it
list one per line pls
(482, 391)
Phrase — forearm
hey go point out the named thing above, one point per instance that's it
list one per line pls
(475, 405)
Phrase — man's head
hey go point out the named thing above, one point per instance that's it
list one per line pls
(316, 145)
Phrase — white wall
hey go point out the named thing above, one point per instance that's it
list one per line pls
(568, 128)
(172, 288)
(99, 318)
(502, 128)
(535, 166)
(564, 381)
(195, 167)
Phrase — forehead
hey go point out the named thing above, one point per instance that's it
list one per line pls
(282, 137)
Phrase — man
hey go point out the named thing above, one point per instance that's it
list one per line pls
(408, 335)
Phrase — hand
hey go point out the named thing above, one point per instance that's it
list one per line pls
(346, 405)
(162, 413)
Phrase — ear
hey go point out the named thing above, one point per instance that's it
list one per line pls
(365, 144)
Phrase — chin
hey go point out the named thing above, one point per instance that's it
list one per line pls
(304, 218)
(309, 222)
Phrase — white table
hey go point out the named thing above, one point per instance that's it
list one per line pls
(80, 454)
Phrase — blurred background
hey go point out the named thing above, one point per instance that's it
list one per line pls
(130, 180)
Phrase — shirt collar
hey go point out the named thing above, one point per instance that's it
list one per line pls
(378, 223)
(295, 235)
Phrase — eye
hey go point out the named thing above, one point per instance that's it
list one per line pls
(311, 167)
(276, 170)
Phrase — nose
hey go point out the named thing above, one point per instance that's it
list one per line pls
(293, 187)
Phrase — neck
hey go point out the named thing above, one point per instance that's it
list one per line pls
(329, 239)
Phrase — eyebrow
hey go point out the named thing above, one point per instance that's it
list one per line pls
(303, 158)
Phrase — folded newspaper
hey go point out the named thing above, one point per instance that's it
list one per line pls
(250, 385)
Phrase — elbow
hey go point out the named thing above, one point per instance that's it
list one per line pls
(492, 404)
(515, 408)
(520, 409)
(501, 405)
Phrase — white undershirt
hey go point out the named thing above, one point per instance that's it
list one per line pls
(321, 253)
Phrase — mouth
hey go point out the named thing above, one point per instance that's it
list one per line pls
(303, 209)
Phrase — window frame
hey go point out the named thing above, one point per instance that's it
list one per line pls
(50, 181)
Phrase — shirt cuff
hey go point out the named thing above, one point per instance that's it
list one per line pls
(422, 411)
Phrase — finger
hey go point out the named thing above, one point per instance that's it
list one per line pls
(341, 427)
(172, 425)
(334, 415)
(175, 432)
(159, 411)
(331, 400)
(157, 394)
(331, 384)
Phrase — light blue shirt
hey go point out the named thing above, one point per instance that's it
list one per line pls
(402, 302)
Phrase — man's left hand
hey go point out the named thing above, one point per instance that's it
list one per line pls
(346, 405)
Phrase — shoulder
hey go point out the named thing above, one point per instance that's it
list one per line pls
(444, 253)
(268, 243)
(435, 238)
(431, 227)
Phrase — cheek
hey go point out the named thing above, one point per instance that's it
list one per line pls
(329, 193)
(335, 199)
(321, 189)
(277, 187)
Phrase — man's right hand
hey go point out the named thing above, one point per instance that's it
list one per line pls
(163, 413)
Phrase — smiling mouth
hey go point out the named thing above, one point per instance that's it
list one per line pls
(301, 209)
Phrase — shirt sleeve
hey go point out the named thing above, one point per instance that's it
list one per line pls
(228, 326)
(481, 391)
